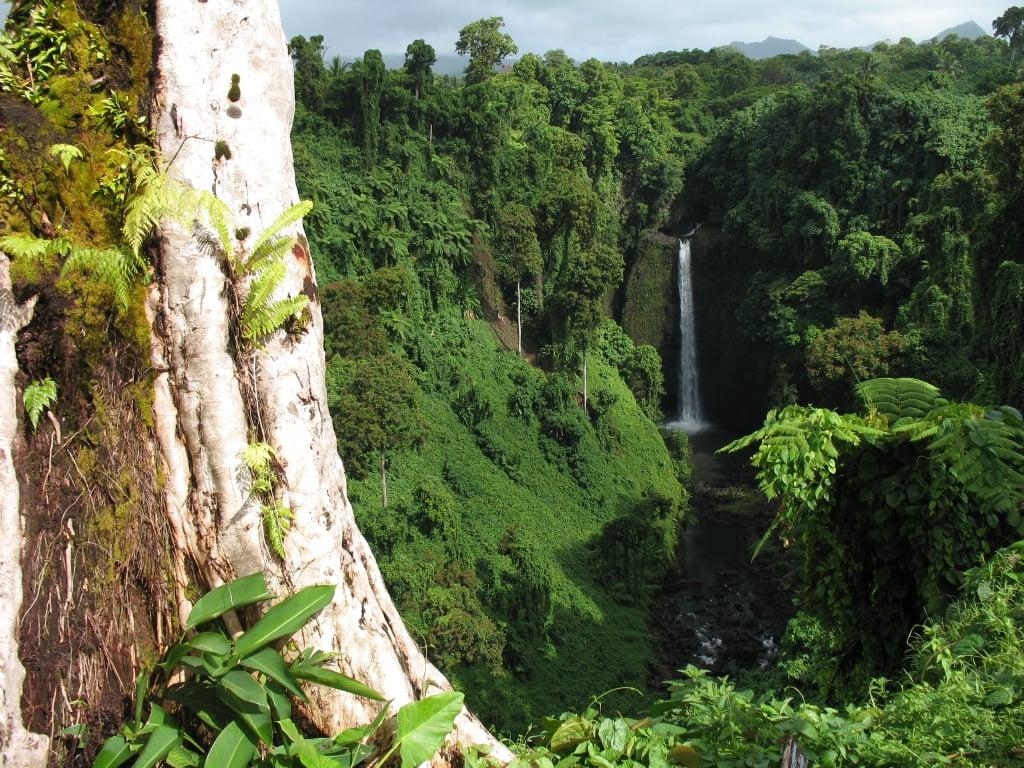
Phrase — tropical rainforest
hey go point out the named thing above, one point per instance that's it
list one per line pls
(495, 266)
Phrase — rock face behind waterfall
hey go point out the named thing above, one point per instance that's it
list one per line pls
(650, 310)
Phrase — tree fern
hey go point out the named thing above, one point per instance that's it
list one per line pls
(899, 398)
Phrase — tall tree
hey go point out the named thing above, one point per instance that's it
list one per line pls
(486, 45)
(419, 58)
(518, 253)
(1011, 26)
(310, 74)
(18, 747)
(211, 397)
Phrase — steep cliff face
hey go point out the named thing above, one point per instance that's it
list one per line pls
(650, 309)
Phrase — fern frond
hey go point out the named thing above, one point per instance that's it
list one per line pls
(218, 216)
(277, 521)
(145, 209)
(287, 217)
(259, 458)
(899, 398)
(272, 250)
(117, 268)
(66, 153)
(257, 324)
(38, 396)
(29, 247)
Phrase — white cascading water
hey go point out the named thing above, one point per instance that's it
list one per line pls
(690, 416)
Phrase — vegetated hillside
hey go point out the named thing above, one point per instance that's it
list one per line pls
(846, 196)
(520, 537)
(544, 503)
(859, 210)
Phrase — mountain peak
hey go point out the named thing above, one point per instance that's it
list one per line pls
(770, 46)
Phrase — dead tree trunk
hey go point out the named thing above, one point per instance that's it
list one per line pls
(214, 394)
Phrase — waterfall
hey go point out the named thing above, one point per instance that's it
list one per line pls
(690, 416)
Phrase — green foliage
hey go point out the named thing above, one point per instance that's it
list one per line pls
(235, 708)
(486, 45)
(264, 474)
(853, 350)
(67, 154)
(39, 396)
(890, 506)
(118, 269)
(960, 703)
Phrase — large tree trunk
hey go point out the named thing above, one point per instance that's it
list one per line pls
(214, 396)
(18, 747)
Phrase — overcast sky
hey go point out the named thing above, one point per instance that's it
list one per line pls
(622, 30)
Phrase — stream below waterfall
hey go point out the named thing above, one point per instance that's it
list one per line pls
(716, 609)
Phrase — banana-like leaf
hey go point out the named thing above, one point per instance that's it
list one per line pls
(233, 748)
(335, 680)
(248, 700)
(269, 662)
(161, 741)
(284, 619)
(235, 594)
(115, 752)
(423, 725)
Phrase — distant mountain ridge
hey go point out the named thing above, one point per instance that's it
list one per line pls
(774, 46)
(770, 46)
(968, 30)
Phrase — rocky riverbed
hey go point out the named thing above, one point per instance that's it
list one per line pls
(717, 609)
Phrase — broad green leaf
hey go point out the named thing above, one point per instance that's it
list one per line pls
(161, 741)
(614, 734)
(141, 686)
(180, 757)
(985, 591)
(304, 748)
(1000, 697)
(333, 679)
(570, 735)
(269, 662)
(285, 618)
(352, 736)
(685, 756)
(201, 700)
(248, 699)
(233, 748)
(115, 752)
(423, 725)
(213, 642)
(280, 702)
(235, 594)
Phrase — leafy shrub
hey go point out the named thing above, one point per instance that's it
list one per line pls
(235, 706)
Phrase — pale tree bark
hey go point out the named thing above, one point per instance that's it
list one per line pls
(18, 747)
(213, 396)
(519, 319)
